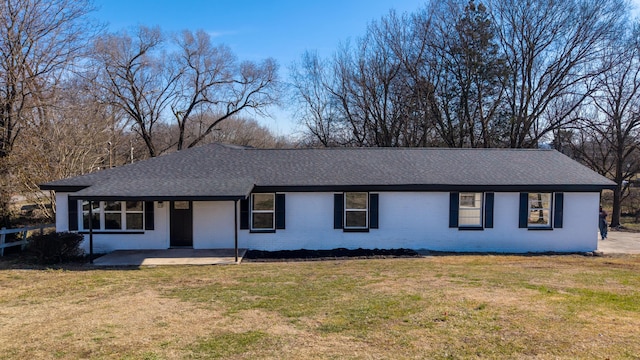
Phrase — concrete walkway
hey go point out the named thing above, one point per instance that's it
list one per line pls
(620, 242)
(170, 257)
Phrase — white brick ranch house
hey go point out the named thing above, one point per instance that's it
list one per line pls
(219, 196)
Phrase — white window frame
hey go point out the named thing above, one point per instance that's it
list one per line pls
(549, 210)
(477, 196)
(365, 210)
(101, 212)
(270, 211)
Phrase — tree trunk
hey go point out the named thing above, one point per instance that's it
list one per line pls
(5, 193)
(617, 209)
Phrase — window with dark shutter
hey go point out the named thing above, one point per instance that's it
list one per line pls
(471, 210)
(537, 210)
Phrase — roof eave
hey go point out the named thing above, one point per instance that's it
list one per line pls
(160, 198)
(63, 188)
(439, 187)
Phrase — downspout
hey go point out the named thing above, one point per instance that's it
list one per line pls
(235, 227)
(91, 231)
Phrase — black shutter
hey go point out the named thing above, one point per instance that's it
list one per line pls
(73, 214)
(373, 211)
(338, 210)
(149, 215)
(454, 204)
(524, 209)
(557, 210)
(244, 214)
(280, 213)
(488, 210)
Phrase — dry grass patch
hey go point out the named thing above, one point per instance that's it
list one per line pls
(435, 307)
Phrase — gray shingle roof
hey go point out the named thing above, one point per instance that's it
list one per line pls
(218, 171)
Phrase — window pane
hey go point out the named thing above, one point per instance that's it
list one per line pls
(263, 201)
(470, 211)
(540, 200)
(85, 221)
(134, 205)
(539, 209)
(356, 219)
(539, 217)
(181, 205)
(113, 221)
(470, 217)
(468, 200)
(356, 200)
(112, 206)
(263, 220)
(134, 221)
(96, 206)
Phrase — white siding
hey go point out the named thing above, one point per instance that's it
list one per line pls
(213, 224)
(420, 220)
(62, 211)
(417, 220)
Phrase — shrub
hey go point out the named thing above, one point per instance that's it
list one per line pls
(55, 247)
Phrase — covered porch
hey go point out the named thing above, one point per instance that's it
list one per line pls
(171, 257)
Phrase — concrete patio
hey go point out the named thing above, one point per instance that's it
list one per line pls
(170, 257)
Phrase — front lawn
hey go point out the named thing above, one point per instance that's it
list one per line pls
(434, 307)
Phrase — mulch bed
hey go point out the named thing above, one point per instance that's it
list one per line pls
(340, 253)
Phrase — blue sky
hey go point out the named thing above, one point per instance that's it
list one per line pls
(254, 29)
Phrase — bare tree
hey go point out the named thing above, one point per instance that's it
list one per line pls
(408, 82)
(240, 131)
(610, 138)
(384, 85)
(408, 39)
(212, 80)
(145, 81)
(79, 136)
(136, 75)
(318, 109)
(472, 70)
(40, 40)
(551, 50)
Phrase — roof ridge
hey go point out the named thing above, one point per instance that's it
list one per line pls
(379, 148)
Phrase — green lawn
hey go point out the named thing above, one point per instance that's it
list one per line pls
(434, 307)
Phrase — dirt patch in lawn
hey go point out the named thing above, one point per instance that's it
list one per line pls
(340, 253)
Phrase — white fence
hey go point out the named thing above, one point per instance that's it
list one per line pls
(22, 239)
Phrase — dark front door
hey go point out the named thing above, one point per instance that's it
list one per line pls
(181, 227)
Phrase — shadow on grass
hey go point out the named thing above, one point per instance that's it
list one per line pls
(26, 261)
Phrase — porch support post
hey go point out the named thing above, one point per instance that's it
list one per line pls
(90, 231)
(235, 228)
